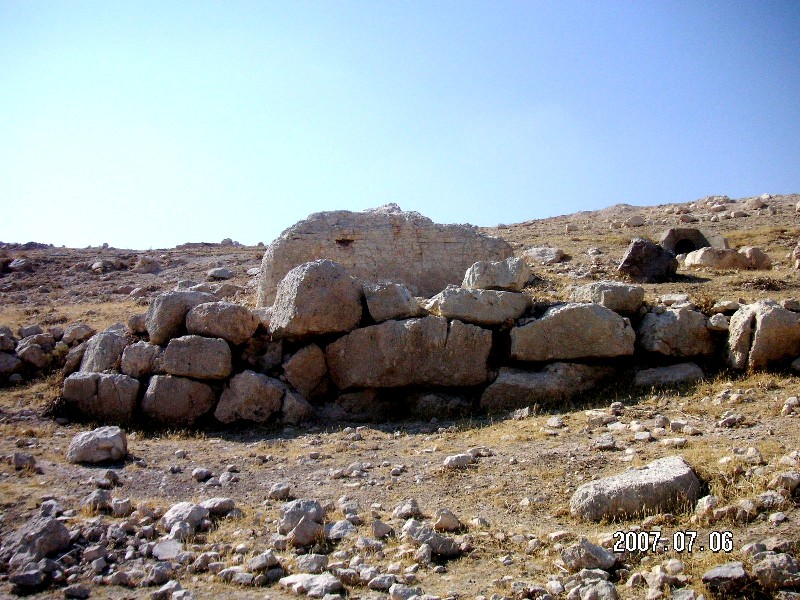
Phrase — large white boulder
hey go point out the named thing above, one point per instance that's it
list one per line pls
(382, 244)
(664, 485)
(482, 307)
(509, 275)
(99, 445)
(676, 332)
(166, 313)
(250, 396)
(762, 334)
(316, 298)
(427, 351)
(716, 258)
(231, 322)
(571, 331)
(197, 357)
(177, 401)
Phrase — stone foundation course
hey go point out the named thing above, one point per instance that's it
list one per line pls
(332, 347)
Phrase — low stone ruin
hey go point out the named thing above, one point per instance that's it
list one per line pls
(383, 244)
(332, 348)
(682, 240)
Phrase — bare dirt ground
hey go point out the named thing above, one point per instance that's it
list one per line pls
(515, 495)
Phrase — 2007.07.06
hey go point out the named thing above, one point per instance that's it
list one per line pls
(682, 541)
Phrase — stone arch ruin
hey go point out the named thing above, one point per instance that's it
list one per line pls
(682, 240)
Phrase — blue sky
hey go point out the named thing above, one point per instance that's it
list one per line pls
(148, 124)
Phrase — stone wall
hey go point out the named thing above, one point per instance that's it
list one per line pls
(384, 244)
(331, 348)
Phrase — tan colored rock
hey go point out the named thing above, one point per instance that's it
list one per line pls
(197, 357)
(177, 401)
(250, 396)
(383, 244)
(306, 369)
(763, 334)
(98, 445)
(555, 384)
(676, 332)
(570, 331)
(102, 396)
(391, 301)
(316, 298)
(426, 351)
(543, 256)
(509, 275)
(479, 306)
(139, 359)
(757, 259)
(231, 322)
(295, 408)
(716, 258)
(76, 333)
(670, 375)
(166, 313)
(663, 485)
(103, 352)
(619, 297)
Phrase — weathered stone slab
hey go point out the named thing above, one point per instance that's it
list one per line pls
(103, 352)
(570, 331)
(177, 401)
(391, 301)
(316, 298)
(663, 485)
(509, 275)
(555, 383)
(427, 351)
(479, 306)
(250, 396)
(383, 244)
(197, 357)
(231, 322)
(762, 334)
(102, 396)
(676, 332)
(670, 375)
(166, 314)
(619, 297)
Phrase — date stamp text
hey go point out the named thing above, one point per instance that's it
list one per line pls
(680, 541)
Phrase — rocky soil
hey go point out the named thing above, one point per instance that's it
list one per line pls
(480, 507)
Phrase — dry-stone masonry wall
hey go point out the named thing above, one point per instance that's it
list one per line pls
(331, 348)
(380, 245)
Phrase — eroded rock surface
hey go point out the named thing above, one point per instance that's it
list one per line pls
(383, 244)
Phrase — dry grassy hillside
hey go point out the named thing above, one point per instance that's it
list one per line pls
(513, 501)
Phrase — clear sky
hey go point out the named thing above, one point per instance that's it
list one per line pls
(148, 124)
